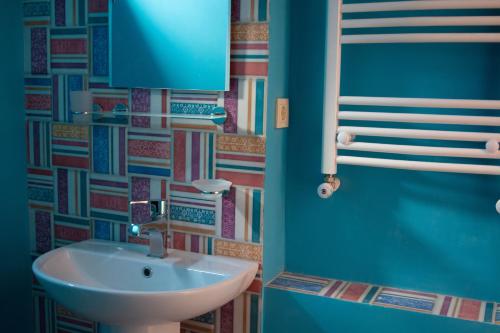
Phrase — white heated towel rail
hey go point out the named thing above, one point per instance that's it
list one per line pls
(338, 138)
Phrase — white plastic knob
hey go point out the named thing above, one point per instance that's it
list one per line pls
(498, 206)
(492, 146)
(345, 138)
(326, 190)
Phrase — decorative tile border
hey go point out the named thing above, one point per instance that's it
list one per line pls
(423, 302)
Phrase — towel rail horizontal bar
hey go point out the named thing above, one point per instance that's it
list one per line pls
(419, 150)
(422, 38)
(421, 102)
(431, 21)
(419, 118)
(420, 134)
(391, 6)
(419, 166)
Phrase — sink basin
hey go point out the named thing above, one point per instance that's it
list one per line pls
(118, 285)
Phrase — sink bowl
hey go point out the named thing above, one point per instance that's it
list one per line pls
(118, 285)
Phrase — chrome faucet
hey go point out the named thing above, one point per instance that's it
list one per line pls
(155, 229)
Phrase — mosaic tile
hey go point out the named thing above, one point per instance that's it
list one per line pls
(194, 103)
(249, 49)
(36, 50)
(99, 56)
(41, 234)
(299, 283)
(470, 309)
(109, 198)
(242, 215)
(36, 13)
(38, 147)
(109, 150)
(70, 229)
(62, 86)
(241, 159)
(40, 188)
(70, 146)
(151, 101)
(38, 97)
(69, 13)
(105, 230)
(72, 192)
(192, 212)
(107, 99)
(415, 301)
(193, 156)
(246, 106)
(238, 250)
(249, 10)
(69, 50)
(145, 188)
(149, 152)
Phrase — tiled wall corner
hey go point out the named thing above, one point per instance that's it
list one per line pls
(81, 178)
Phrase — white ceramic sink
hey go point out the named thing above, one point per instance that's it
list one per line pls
(108, 282)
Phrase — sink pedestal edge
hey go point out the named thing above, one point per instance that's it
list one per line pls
(165, 328)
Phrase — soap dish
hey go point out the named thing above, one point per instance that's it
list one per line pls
(212, 186)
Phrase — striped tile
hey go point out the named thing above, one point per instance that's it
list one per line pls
(109, 145)
(36, 12)
(62, 86)
(111, 231)
(40, 227)
(193, 156)
(40, 187)
(408, 300)
(38, 97)
(70, 229)
(249, 49)
(99, 50)
(192, 212)
(98, 12)
(70, 146)
(241, 159)
(192, 103)
(148, 152)
(106, 99)
(68, 50)
(242, 215)
(246, 106)
(109, 198)
(241, 314)
(145, 188)
(191, 242)
(249, 10)
(36, 50)
(66, 321)
(43, 313)
(470, 309)
(69, 13)
(241, 250)
(38, 147)
(72, 192)
(150, 101)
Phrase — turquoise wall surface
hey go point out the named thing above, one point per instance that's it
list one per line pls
(15, 276)
(416, 230)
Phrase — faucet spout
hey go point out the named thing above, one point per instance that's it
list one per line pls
(156, 246)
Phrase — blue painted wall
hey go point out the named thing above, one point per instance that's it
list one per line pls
(15, 276)
(275, 180)
(424, 231)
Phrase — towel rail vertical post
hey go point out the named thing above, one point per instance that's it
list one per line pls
(333, 53)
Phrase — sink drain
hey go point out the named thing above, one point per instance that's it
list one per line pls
(147, 272)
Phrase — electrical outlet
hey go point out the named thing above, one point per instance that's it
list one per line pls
(282, 113)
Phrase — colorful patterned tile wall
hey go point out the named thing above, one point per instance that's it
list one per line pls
(81, 177)
(407, 300)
